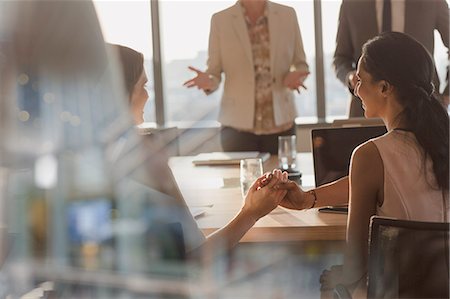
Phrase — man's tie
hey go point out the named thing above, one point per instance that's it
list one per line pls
(387, 17)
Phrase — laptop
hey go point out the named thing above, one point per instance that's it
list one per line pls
(332, 149)
(357, 122)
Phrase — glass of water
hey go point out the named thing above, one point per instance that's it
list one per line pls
(251, 169)
(287, 152)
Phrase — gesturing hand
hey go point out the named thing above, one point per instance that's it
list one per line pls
(294, 80)
(202, 80)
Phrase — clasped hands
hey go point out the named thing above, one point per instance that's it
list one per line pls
(275, 189)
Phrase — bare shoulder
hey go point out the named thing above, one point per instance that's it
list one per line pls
(366, 152)
(366, 168)
(367, 165)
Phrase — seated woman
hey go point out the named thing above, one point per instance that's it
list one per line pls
(403, 174)
(258, 202)
(135, 79)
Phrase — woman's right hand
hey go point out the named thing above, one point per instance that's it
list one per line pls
(262, 198)
(202, 80)
(295, 197)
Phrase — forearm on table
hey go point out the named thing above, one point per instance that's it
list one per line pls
(334, 193)
(228, 236)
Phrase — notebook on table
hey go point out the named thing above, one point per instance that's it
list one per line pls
(332, 149)
(227, 158)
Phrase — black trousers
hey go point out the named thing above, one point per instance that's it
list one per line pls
(235, 141)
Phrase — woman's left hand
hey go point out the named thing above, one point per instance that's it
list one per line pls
(294, 80)
(282, 176)
(262, 198)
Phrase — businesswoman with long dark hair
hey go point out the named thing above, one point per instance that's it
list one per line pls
(403, 174)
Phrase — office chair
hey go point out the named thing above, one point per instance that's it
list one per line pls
(407, 259)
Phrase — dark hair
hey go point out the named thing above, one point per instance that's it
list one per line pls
(132, 63)
(403, 62)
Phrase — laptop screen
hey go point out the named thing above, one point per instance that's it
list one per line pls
(332, 149)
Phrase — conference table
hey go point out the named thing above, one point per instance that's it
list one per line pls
(215, 190)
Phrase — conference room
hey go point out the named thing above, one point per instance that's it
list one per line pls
(107, 195)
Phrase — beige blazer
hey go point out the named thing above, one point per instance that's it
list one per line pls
(230, 53)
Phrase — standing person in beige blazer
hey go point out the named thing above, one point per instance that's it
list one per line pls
(361, 20)
(257, 44)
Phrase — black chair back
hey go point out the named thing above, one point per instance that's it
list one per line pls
(408, 259)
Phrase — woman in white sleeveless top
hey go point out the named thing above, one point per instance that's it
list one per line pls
(403, 174)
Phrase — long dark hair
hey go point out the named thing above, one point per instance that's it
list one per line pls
(132, 63)
(403, 62)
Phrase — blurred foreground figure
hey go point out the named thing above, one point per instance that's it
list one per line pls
(90, 206)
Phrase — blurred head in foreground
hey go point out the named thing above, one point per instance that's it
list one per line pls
(132, 63)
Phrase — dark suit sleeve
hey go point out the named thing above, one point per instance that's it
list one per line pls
(343, 56)
(442, 25)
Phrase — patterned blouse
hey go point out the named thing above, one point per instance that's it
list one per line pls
(259, 39)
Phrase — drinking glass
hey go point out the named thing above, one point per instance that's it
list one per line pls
(251, 169)
(287, 152)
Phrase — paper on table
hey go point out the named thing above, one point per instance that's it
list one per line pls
(197, 211)
(206, 183)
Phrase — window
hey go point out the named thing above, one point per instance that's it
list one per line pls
(336, 94)
(128, 23)
(185, 43)
(306, 100)
(440, 59)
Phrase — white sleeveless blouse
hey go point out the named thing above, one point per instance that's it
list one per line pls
(410, 189)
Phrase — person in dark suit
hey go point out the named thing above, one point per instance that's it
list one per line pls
(360, 21)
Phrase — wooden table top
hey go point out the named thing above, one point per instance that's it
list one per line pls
(217, 190)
